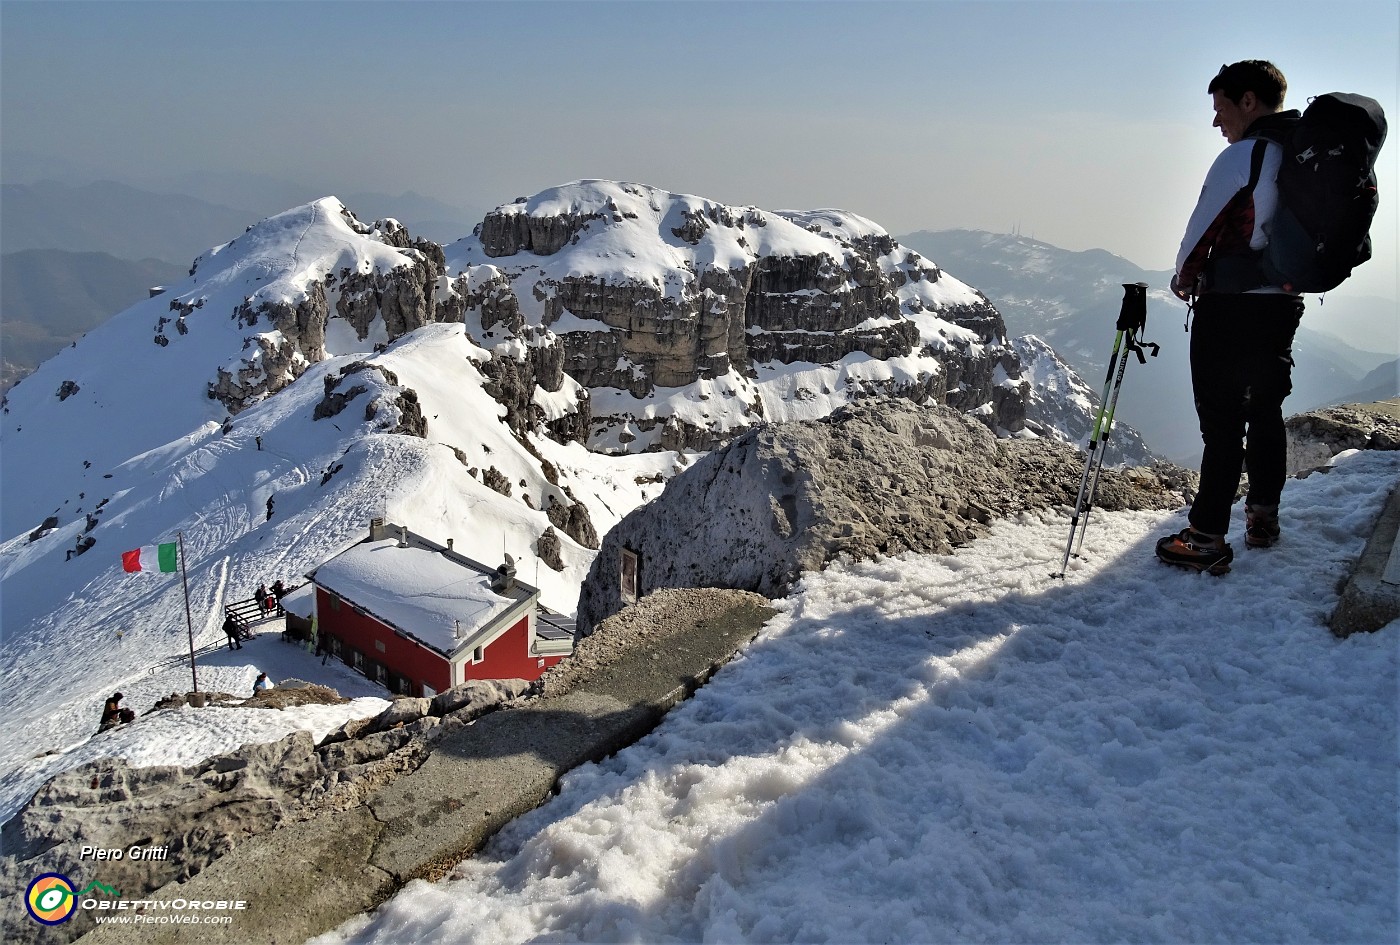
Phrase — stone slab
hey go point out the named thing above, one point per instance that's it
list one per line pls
(1369, 601)
(298, 881)
(482, 777)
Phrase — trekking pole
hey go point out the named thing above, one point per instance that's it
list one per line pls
(1132, 320)
(1093, 450)
(1134, 347)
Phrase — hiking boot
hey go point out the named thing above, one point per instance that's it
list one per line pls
(1260, 526)
(1192, 549)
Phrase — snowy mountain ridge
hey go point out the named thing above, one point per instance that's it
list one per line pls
(689, 320)
(314, 283)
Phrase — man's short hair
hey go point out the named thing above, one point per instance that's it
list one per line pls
(1259, 76)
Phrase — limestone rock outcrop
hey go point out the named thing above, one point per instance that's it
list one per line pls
(390, 408)
(199, 812)
(1318, 435)
(396, 293)
(875, 478)
(674, 309)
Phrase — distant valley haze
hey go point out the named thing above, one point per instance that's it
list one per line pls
(1084, 124)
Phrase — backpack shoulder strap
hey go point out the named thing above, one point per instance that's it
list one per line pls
(1256, 162)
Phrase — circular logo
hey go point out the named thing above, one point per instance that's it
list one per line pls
(50, 899)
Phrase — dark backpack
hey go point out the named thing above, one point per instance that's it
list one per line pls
(1327, 192)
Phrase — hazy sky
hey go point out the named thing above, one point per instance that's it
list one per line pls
(1082, 123)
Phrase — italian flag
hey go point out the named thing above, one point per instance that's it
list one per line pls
(150, 558)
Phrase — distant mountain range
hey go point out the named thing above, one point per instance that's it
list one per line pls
(75, 254)
(1071, 299)
(1380, 384)
(135, 223)
(49, 298)
(107, 217)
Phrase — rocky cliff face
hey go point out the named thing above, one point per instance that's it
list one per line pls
(687, 320)
(1060, 406)
(395, 289)
(876, 478)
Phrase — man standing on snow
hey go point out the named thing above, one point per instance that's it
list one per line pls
(232, 632)
(1241, 345)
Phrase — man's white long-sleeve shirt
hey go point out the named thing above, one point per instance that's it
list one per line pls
(1227, 175)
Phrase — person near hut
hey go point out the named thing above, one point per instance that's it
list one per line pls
(232, 632)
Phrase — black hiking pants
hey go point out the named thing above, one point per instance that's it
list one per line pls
(1241, 371)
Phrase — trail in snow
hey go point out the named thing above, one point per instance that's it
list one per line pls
(960, 749)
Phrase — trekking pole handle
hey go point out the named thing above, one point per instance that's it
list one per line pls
(1133, 315)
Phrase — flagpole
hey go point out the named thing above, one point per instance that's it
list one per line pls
(189, 621)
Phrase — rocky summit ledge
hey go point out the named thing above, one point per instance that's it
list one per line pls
(1370, 598)
(303, 879)
(1318, 435)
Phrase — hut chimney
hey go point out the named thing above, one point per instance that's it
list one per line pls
(449, 544)
(403, 536)
(504, 580)
(376, 529)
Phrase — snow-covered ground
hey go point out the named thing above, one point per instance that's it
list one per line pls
(187, 736)
(962, 749)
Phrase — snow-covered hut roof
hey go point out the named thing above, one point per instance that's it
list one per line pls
(421, 589)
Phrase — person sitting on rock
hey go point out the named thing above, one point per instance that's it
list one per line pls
(261, 684)
(112, 713)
